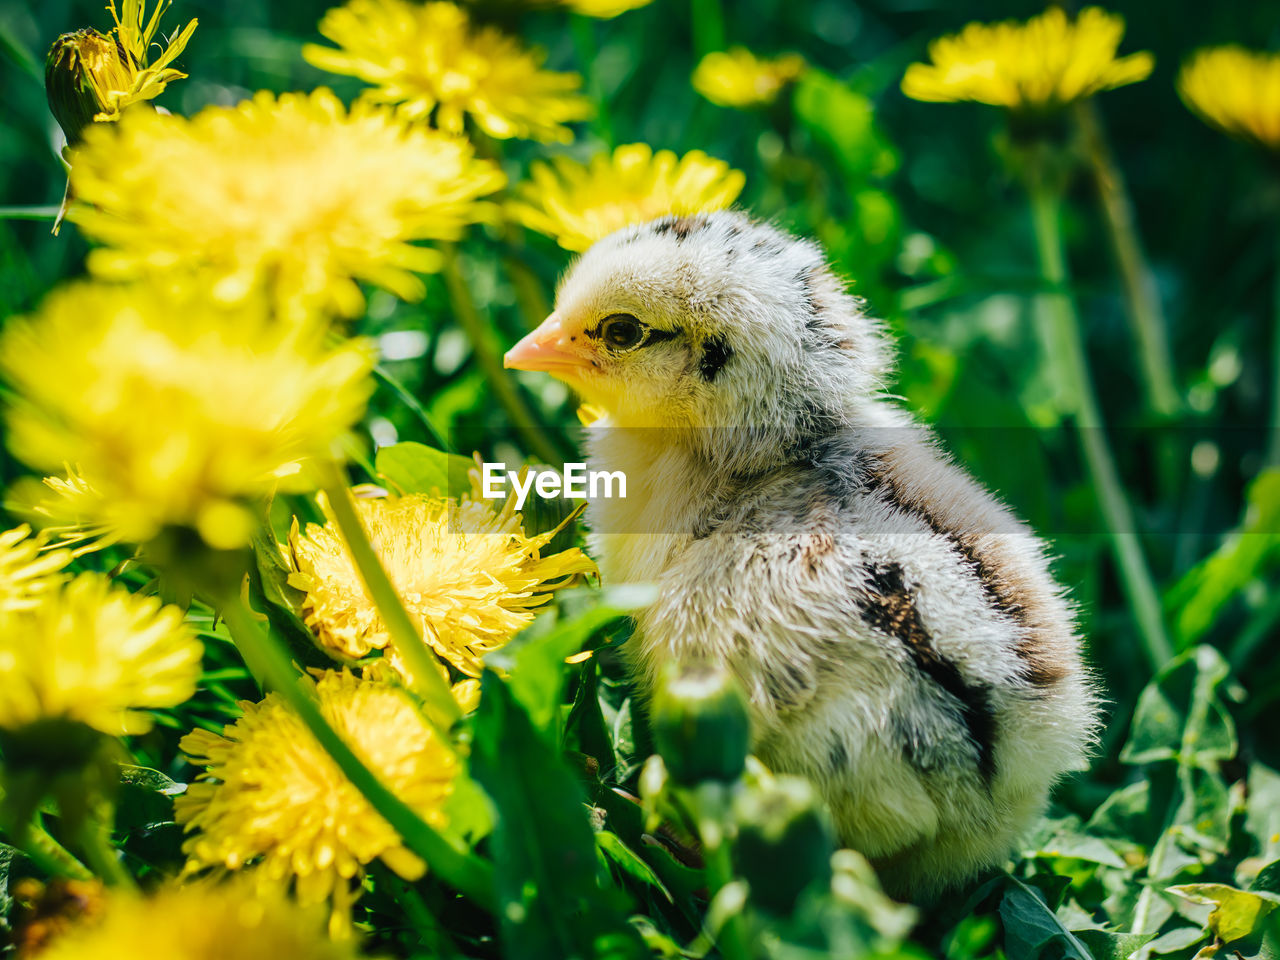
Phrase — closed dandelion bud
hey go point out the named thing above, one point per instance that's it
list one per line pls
(784, 842)
(700, 724)
(79, 66)
(91, 76)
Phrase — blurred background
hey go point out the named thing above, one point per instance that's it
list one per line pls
(915, 206)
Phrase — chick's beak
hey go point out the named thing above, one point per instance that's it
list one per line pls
(549, 348)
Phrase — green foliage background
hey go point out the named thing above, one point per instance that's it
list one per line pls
(913, 202)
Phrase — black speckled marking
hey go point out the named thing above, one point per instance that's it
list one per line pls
(679, 227)
(838, 757)
(716, 352)
(1040, 668)
(887, 606)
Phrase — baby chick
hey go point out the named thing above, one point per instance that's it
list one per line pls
(897, 630)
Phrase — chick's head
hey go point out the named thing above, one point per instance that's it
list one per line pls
(710, 320)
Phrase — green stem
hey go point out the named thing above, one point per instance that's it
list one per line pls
(463, 871)
(47, 853)
(586, 48)
(1142, 299)
(436, 436)
(419, 658)
(1155, 866)
(1067, 351)
(708, 27)
(29, 213)
(528, 290)
(711, 803)
(95, 840)
(490, 359)
(1273, 440)
(732, 939)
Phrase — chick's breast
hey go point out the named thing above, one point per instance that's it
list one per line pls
(902, 645)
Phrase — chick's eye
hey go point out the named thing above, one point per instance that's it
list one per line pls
(621, 331)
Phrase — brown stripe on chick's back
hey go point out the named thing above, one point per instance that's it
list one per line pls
(887, 606)
(1041, 645)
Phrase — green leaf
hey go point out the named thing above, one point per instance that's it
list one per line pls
(1262, 810)
(270, 593)
(628, 862)
(1200, 596)
(1180, 715)
(585, 728)
(550, 902)
(844, 122)
(1268, 879)
(1176, 940)
(1066, 838)
(1105, 945)
(468, 811)
(1031, 928)
(535, 659)
(411, 467)
(146, 798)
(1126, 814)
(1236, 913)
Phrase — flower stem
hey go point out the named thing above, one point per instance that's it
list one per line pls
(1273, 440)
(421, 661)
(708, 27)
(1142, 299)
(1067, 350)
(463, 871)
(490, 360)
(436, 436)
(586, 48)
(47, 853)
(95, 840)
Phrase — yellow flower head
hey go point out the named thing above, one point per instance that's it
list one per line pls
(177, 413)
(1037, 66)
(578, 204)
(468, 575)
(201, 921)
(1235, 90)
(603, 9)
(293, 194)
(94, 655)
(27, 570)
(270, 795)
(90, 76)
(738, 78)
(430, 58)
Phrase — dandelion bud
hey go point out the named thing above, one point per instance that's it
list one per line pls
(91, 76)
(79, 67)
(784, 842)
(700, 724)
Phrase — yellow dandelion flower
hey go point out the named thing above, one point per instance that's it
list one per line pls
(292, 194)
(201, 921)
(68, 510)
(177, 413)
(578, 204)
(603, 9)
(468, 575)
(430, 58)
(1037, 66)
(738, 78)
(95, 655)
(271, 797)
(90, 76)
(27, 570)
(1235, 90)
